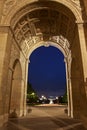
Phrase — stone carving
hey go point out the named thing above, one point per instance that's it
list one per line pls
(14, 54)
(43, 26)
(7, 5)
(60, 39)
(76, 2)
(46, 44)
(39, 26)
(37, 39)
(62, 42)
(29, 42)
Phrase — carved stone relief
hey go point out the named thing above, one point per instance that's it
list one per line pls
(28, 43)
(15, 54)
(7, 5)
(62, 42)
(38, 24)
(44, 25)
(76, 2)
(10, 3)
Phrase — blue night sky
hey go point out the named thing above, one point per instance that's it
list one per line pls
(46, 71)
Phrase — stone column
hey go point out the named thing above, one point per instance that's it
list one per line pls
(22, 97)
(83, 47)
(67, 85)
(83, 50)
(69, 89)
(5, 41)
(10, 73)
(71, 99)
(25, 85)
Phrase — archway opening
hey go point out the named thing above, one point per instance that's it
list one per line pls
(53, 22)
(47, 76)
(15, 105)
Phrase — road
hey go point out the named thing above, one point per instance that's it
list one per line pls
(44, 118)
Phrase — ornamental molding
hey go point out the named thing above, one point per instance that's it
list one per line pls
(8, 5)
(15, 54)
(61, 41)
(27, 44)
(76, 2)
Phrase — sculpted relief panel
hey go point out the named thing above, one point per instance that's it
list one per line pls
(42, 22)
(15, 54)
(77, 2)
(43, 25)
(8, 5)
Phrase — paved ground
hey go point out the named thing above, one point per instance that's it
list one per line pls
(44, 118)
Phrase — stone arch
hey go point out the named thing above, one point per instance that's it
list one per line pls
(34, 38)
(67, 59)
(15, 6)
(63, 48)
(16, 90)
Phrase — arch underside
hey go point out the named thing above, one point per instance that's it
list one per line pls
(11, 8)
(42, 24)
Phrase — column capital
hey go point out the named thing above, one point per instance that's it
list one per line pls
(81, 21)
(28, 61)
(65, 59)
(80, 24)
(4, 28)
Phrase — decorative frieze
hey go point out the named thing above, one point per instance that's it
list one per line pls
(76, 2)
(8, 5)
(15, 54)
(62, 42)
(28, 43)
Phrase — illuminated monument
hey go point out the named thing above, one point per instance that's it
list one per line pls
(28, 24)
(51, 98)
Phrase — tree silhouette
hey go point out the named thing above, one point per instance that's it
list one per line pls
(30, 88)
(64, 99)
(32, 96)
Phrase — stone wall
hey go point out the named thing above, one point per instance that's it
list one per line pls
(77, 78)
(5, 39)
